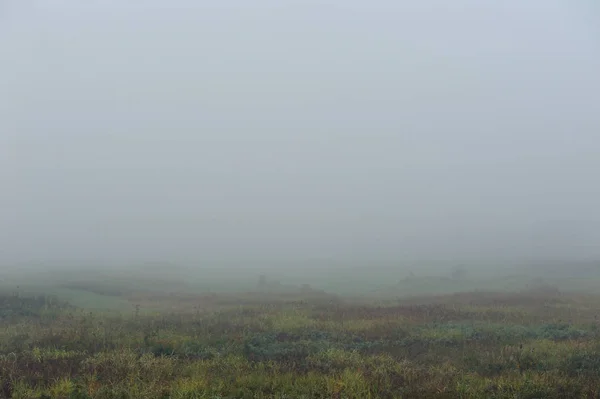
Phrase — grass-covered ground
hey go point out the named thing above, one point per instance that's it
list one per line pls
(531, 344)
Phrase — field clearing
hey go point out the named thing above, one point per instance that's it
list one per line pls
(536, 343)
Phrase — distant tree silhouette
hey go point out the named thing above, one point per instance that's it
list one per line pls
(459, 273)
(262, 281)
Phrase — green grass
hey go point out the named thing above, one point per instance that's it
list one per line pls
(536, 344)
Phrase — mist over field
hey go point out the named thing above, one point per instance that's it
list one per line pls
(299, 133)
(299, 199)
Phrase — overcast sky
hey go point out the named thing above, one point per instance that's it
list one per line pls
(273, 129)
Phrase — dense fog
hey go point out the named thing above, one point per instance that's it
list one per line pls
(299, 131)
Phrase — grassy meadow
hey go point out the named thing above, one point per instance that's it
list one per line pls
(90, 336)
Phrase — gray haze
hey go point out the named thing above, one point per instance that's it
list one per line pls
(305, 130)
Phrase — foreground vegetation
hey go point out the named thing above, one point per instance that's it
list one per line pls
(535, 344)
